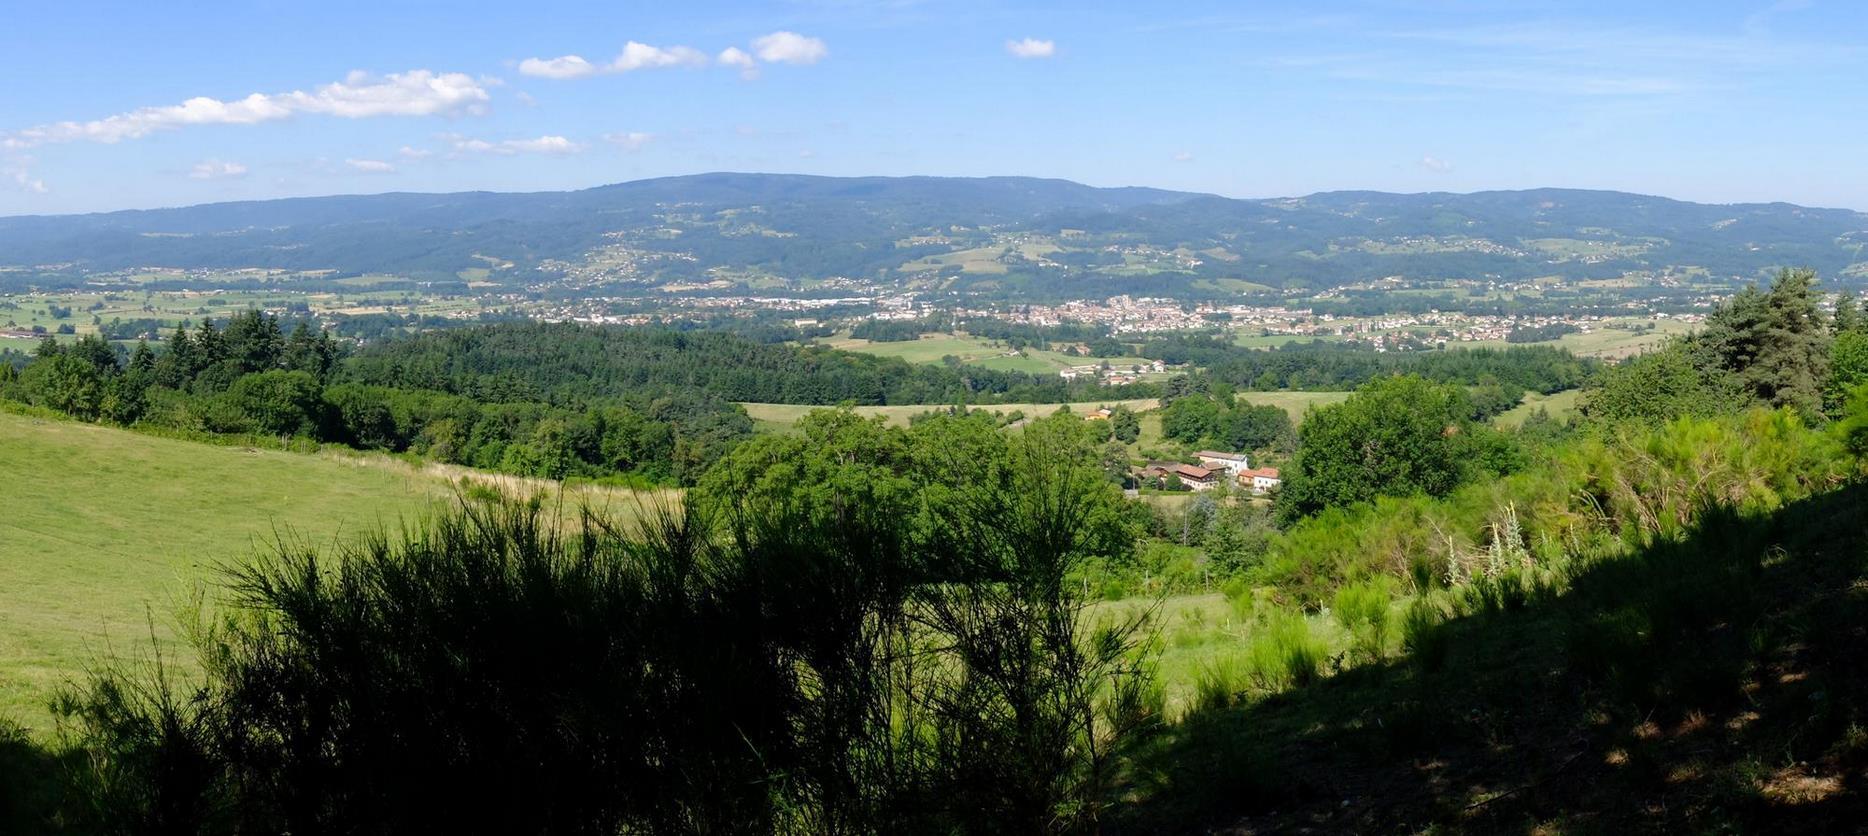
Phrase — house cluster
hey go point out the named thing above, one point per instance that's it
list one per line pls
(1216, 468)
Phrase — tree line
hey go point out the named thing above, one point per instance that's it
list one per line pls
(249, 378)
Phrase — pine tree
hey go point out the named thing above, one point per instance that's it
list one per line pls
(1848, 315)
(1775, 341)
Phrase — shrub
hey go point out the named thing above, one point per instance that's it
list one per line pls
(1422, 635)
(1363, 610)
(1284, 652)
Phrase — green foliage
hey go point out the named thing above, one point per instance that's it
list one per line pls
(1363, 610)
(1285, 652)
(1603, 493)
(1852, 429)
(1776, 342)
(1426, 644)
(1848, 368)
(272, 402)
(888, 644)
(1394, 437)
(1659, 387)
(1124, 425)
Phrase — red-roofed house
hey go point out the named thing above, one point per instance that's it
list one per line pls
(1259, 479)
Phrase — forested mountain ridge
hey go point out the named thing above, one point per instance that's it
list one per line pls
(1002, 235)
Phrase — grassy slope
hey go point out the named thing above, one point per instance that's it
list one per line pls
(103, 529)
(1561, 406)
(1708, 685)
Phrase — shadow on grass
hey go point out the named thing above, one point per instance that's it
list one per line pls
(1716, 683)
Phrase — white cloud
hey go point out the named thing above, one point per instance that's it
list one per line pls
(1031, 48)
(789, 48)
(410, 152)
(216, 170)
(1183, 156)
(358, 96)
(1435, 164)
(370, 166)
(22, 177)
(733, 56)
(774, 48)
(508, 147)
(630, 141)
(567, 66)
(638, 56)
(635, 56)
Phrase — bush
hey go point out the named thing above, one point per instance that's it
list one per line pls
(1284, 652)
(1422, 635)
(1363, 610)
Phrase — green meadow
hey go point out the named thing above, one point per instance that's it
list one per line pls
(107, 533)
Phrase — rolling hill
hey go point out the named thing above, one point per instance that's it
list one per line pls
(1005, 235)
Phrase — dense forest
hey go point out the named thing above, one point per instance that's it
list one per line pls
(565, 363)
(551, 401)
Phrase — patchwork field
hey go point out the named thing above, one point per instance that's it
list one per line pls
(932, 348)
(105, 532)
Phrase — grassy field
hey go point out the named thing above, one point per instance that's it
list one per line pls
(1295, 403)
(104, 530)
(782, 416)
(1608, 342)
(1561, 405)
(23, 311)
(931, 348)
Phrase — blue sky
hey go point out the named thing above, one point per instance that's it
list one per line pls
(128, 105)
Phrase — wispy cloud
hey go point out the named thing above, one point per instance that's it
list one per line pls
(635, 56)
(410, 152)
(1183, 156)
(774, 48)
(1435, 164)
(20, 175)
(629, 141)
(733, 56)
(358, 96)
(549, 144)
(1031, 48)
(1552, 57)
(370, 166)
(216, 170)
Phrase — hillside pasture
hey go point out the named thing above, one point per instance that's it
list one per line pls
(106, 533)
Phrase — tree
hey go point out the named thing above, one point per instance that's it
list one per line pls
(253, 341)
(271, 403)
(1124, 425)
(1250, 427)
(1394, 436)
(1848, 368)
(307, 353)
(1776, 342)
(1660, 386)
(1848, 316)
(65, 382)
(1190, 419)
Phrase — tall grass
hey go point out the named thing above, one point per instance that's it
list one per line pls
(1285, 652)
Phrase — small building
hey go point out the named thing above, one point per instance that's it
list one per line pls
(1259, 479)
(1099, 415)
(1193, 476)
(1232, 463)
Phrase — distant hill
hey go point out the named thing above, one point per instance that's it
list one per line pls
(997, 234)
